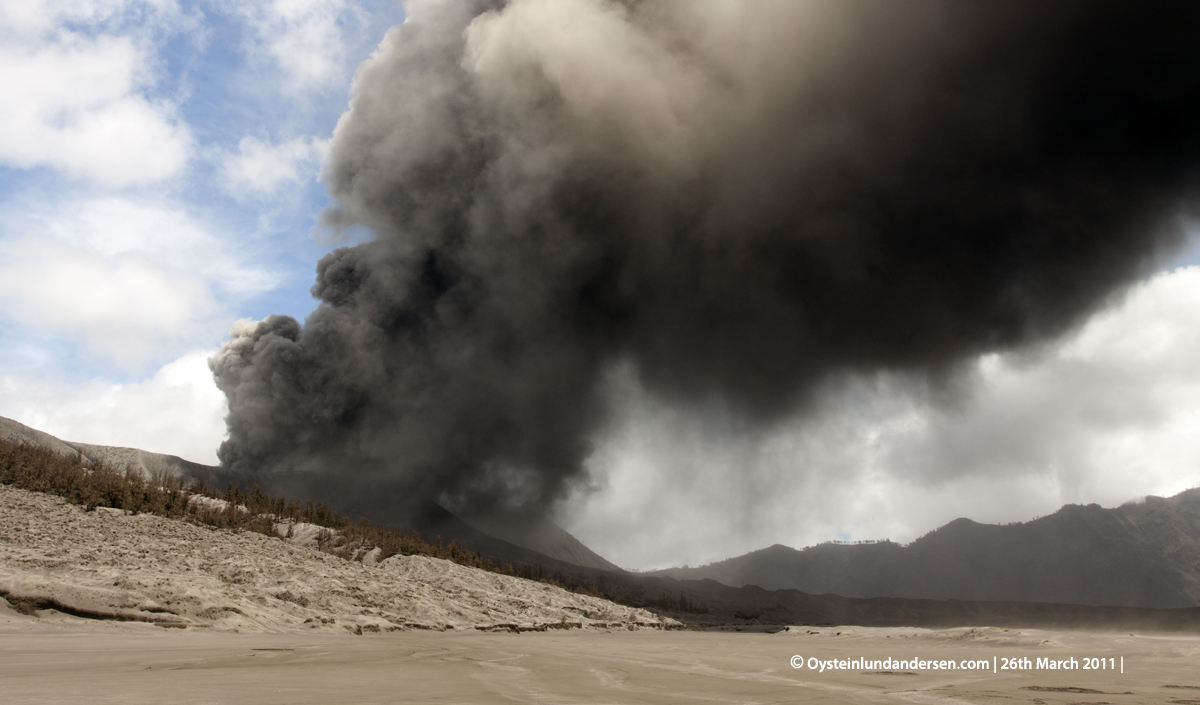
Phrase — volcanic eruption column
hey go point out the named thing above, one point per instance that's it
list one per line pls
(737, 199)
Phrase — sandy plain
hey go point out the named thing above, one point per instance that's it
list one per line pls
(103, 607)
(63, 659)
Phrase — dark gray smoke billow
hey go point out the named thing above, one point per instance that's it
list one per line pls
(739, 199)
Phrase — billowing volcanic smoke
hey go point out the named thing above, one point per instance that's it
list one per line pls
(738, 199)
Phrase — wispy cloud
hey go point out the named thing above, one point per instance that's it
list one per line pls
(304, 39)
(261, 169)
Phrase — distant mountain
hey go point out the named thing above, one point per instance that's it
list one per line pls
(541, 535)
(528, 541)
(709, 602)
(1141, 554)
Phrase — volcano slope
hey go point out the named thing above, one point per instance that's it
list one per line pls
(56, 558)
(108, 565)
(702, 603)
(533, 542)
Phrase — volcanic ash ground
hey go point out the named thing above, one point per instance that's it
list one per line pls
(56, 559)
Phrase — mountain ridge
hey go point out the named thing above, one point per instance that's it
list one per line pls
(1144, 553)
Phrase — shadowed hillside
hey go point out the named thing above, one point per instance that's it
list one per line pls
(1144, 554)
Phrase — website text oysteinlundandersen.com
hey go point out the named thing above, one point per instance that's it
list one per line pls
(994, 664)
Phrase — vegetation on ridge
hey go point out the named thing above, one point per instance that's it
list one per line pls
(94, 485)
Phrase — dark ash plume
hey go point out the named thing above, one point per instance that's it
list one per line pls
(740, 199)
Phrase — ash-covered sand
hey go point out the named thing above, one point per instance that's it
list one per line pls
(76, 661)
(314, 628)
(104, 564)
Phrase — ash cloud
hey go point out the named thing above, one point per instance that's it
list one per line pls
(737, 200)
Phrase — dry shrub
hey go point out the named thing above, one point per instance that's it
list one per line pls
(93, 485)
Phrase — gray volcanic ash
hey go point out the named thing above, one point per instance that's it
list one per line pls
(737, 199)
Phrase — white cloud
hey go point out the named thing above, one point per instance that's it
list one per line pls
(124, 308)
(38, 17)
(132, 281)
(261, 169)
(164, 233)
(178, 410)
(303, 38)
(1105, 415)
(78, 103)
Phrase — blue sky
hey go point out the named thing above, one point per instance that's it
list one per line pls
(159, 170)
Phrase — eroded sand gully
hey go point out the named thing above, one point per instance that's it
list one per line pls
(70, 661)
